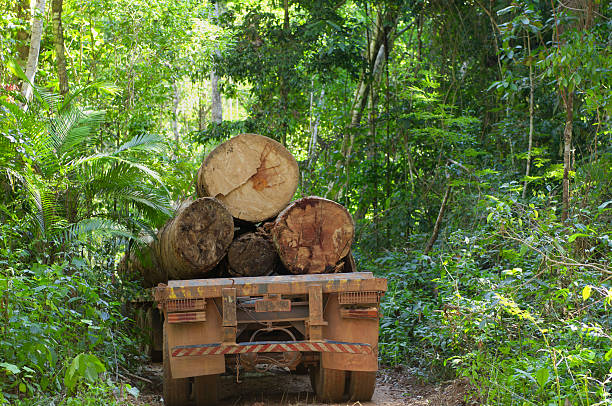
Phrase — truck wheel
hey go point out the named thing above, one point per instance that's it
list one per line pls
(361, 385)
(328, 384)
(206, 390)
(176, 391)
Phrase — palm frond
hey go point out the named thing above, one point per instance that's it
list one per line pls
(46, 208)
(97, 226)
(79, 136)
(142, 143)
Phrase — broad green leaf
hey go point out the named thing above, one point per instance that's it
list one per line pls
(541, 376)
(608, 355)
(14, 369)
(586, 292)
(573, 237)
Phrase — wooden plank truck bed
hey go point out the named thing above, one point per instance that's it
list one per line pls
(325, 323)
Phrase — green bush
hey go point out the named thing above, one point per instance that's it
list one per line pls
(520, 305)
(52, 313)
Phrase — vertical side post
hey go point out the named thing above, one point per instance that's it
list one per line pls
(229, 315)
(315, 309)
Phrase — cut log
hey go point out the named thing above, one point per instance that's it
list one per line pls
(254, 176)
(252, 254)
(195, 240)
(312, 235)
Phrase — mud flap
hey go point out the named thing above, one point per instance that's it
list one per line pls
(209, 331)
(349, 330)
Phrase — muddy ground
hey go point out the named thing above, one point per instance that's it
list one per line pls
(394, 387)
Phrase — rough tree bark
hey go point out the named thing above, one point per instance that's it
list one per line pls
(38, 11)
(141, 262)
(312, 235)
(58, 40)
(568, 104)
(254, 176)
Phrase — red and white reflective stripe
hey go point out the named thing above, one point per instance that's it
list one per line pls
(290, 346)
(186, 317)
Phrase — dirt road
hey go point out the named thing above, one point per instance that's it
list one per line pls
(394, 387)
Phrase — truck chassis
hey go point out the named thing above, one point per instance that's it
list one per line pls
(326, 323)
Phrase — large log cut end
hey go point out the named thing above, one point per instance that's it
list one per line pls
(252, 254)
(254, 176)
(195, 240)
(312, 235)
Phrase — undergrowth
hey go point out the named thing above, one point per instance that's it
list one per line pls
(519, 304)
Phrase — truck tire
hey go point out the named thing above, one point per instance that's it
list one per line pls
(328, 384)
(176, 391)
(206, 390)
(154, 322)
(361, 385)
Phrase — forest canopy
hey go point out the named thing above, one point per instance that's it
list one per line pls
(471, 141)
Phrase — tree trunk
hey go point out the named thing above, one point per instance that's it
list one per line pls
(384, 32)
(254, 176)
(568, 102)
(436, 229)
(58, 39)
(215, 95)
(23, 11)
(195, 240)
(529, 146)
(252, 254)
(215, 99)
(38, 11)
(312, 235)
(175, 105)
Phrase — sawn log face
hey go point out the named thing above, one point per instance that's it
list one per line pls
(195, 240)
(254, 176)
(312, 235)
(252, 254)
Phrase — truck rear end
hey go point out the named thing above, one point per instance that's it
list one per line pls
(325, 323)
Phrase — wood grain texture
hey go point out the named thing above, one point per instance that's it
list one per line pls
(312, 235)
(254, 176)
(195, 240)
(252, 254)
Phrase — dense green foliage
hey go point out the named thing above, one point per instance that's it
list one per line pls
(421, 117)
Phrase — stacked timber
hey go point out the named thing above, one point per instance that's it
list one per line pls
(254, 176)
(243, 222)
(312, 235)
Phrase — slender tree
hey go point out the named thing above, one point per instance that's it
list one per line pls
(215, 94)
(38, 10)
(530, 142)
(58, 40)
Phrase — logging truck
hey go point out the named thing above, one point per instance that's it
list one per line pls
(326, 324)
(248, 280)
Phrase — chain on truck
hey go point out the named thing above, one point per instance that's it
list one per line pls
(326, 324)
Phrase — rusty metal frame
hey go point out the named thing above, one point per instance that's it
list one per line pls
(260, 286)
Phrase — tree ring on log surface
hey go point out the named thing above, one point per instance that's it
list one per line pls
(254, 176)
(312, 235)
(252, 254)
(196, 239)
